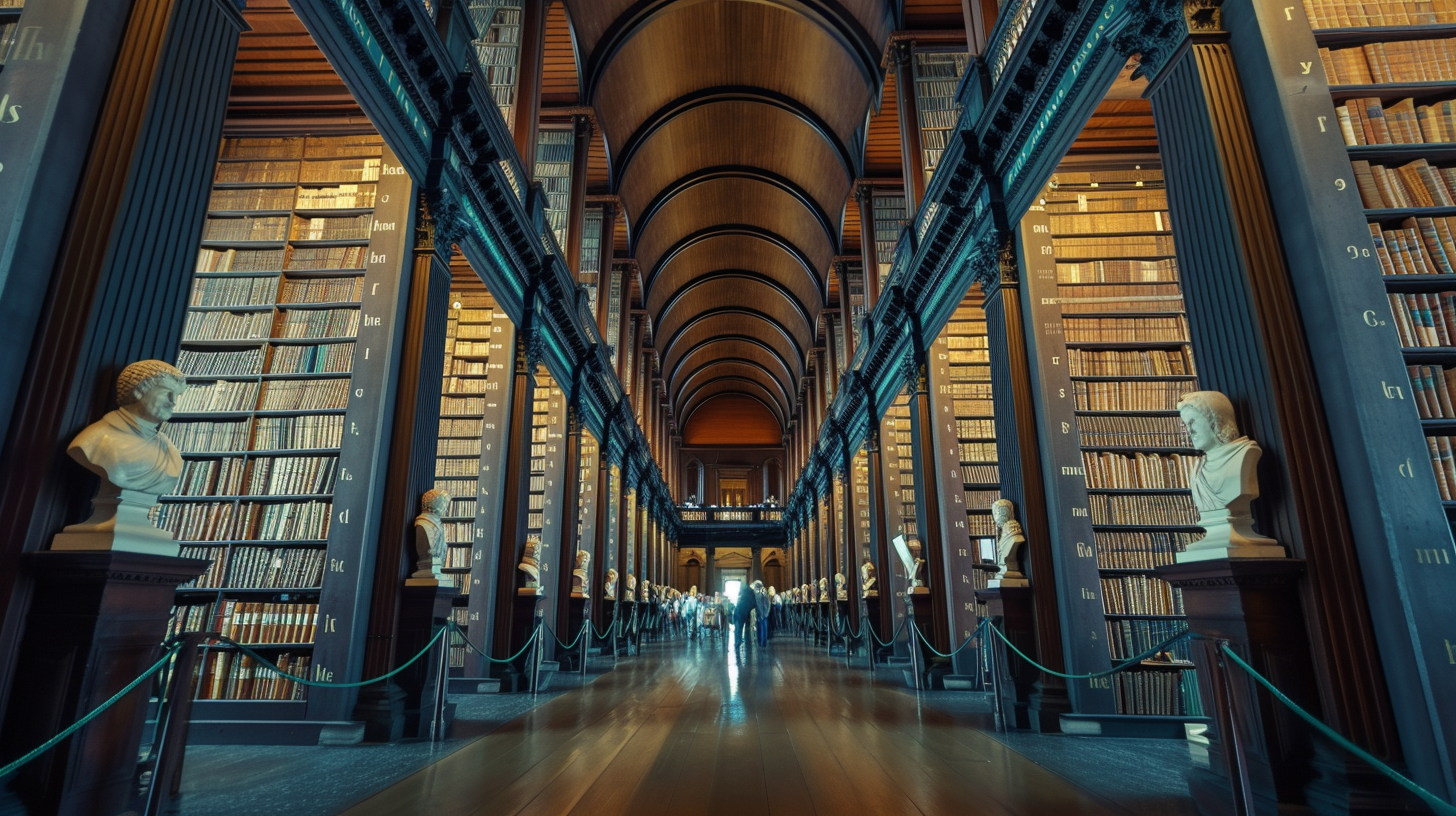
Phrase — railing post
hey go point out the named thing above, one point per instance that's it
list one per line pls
(173, 718)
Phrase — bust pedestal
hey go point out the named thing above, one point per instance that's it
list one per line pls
(1009, 608)
(423, 610)
(119, 522)
(94, 624)
(576, 610)
(918, 601)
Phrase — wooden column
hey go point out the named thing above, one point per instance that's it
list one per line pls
(528, 83)
(879, 543)
(864, 194)
(110, 285)
(576, 207)
(607, 247)
(507, 637)
(599, 611)
(1022, 483)
(911, 154)
(570, 532)
(416, 422)
(927, 514)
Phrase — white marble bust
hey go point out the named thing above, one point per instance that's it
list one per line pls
(1225, 483)
(841, 587)
(580, 578)
(135, 461)
(1009, 546)
(430, 538)
(631, 587)
(530, 563)
(610, 590)
(823, 589)
(867, 581)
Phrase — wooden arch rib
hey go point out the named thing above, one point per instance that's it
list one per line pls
(686, 294)
(740, 348)
(741, 345)
(701, 252)
(736, 297)
(720, 369)
(730, 385)
(736, 200)
(733, 323)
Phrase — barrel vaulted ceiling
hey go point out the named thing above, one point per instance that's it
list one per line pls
(734, 133)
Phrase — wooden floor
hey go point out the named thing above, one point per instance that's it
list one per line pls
(683, 730)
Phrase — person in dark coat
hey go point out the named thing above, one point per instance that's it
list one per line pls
(743, 611)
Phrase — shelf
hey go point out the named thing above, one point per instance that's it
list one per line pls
(263, 452)
(1130, 345)
(1393, 89)
(1418, 283)
(299, 543)
(1434, 152)
(1118, 234)
(1140, 449)
(1408, 212)
(1133, 378)
(251, 590)
(1429, 354)
(1446, 425)
(325, 273)
(1170, 616)
(1143, 528)
(1170, 313)
(1359, 35)
(210, 244)
(260, 646)
(1128, 256)
(1175, 282)
(1139, 491)
(252, 185)
(1089, 412)
(249, 497)
(329, 242)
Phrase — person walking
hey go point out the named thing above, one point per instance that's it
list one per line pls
(743, 612)
(764, 606)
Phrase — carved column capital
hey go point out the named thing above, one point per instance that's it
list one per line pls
(1158, 29)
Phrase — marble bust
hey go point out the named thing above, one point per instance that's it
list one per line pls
(867, 581)
(580, 578)
(823, 589)
(1008, 547)
(430, 539)
(135, 461)
(1225, 483)
(610, 590)
(841, 587)
(909, 552)
(631, 587)
(530, 564)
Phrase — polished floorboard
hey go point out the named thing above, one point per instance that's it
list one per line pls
(689, 728)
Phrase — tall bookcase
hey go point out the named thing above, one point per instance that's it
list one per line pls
(966, 444)
(498, 25)
(473, 414)
(898, 471)
(937, 74)
(287, 351)
(888, 211)
(1130, 360)
(589, 275)
(10, 11)
(553, 172)
(1395, 98)
(546, 489)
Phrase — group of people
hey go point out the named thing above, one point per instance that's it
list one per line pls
(697, 615)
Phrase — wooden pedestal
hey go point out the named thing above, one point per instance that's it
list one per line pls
(918, 602)
(872, 626)
(423, 611)
(576, 611)
(94, 625)
(1009, 609)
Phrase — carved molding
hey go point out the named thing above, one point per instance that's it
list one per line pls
(1158, 29)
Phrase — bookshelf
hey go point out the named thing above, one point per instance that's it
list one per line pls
(589, 276)
(937, 75)
(889, 215)
(297, 271)
(1397, 117)
(553, 172)
(854, 280)
(1130, 360)
(10, 11)
(617, 280)
(898, 472)
(546, 489)
(967, 442)
(498, 24)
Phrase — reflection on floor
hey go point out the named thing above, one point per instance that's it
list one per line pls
(687, 729)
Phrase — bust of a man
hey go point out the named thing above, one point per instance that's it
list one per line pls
(135, 461)
(580, 578)
(841, 587)
(1008, 546)
(430, 536)
(610, 590)
(869, 584)
(1225, 483)
(631, 587)
(823, 589)
(530, 565)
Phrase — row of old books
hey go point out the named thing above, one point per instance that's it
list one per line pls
(1424, 320)
(263, 622)
(1100, 247)
(322, 290)
(468, 368)
(1443, 465)
(266, 228)
(1151, 691)
(1148, 471)
(1122, 550)
(1140, 595)
(250, 199)
(458, 557)
(1137, 395)
(248, 362)
(259, 476)
(982, 524)
(960, 356)
(1159, 510)
(966, 341)
(239, 260)
(980, 474)
(256, 172)
(345, 172)
(1123, 270)
(981, 499)
(458, 447)
(1133, 432)
(461, 427)
(461, 507)
(1127, 639)
(304, 395)
(227, 326)
(234, 291)
(340, 197)
(1388, 62)
(962, 387)
(1126, 329)
(1106, 222)
(352, 228)
(298, 147)
(298, 432)
(456, 467)
(973, 407)
(1367, 121)
(240, 567)
(1364, 13)
(977, 451)
(209, 437)
(245, 521)
(1433, 387)
(320, 358)
(1140, 363)
(229, 675)
(1421, 246)
(224, 395)
(1126, 304)
(319, 258)
(315, 324)
(1414, 184)
(971, 428)
(470, 385)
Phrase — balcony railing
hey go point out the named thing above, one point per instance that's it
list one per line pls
(737, 515)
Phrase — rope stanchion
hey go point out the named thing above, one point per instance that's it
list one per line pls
(938, 653)
(1437, 804)
(267, 664)
(93, 714)
(1119, 667)
(477, 650)
(576, 640)
(883, 643)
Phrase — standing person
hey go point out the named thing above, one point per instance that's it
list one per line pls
(763, 606)
(690, 616)
(743, 612)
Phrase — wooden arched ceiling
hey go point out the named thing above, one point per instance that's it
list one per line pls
(734, 132)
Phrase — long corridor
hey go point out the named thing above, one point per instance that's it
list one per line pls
(689, 729)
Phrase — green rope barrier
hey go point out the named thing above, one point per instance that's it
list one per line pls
(603, 633)
(268, 664)
(1144, 656)
(93, 714)
(1437, 804)
(476, 649)
(572, 645)
(938, 653)
(864, 625)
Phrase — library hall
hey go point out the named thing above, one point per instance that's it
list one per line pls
(727, 407)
